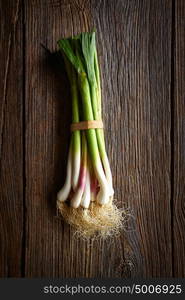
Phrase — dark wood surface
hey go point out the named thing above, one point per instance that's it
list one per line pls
(11, 139)
(141, 52)
(179, 141)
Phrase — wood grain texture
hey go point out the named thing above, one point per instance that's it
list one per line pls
(51, 249)
(137, 108)
(141, 51)
(179, 141)
(134, 46)
(11, 154)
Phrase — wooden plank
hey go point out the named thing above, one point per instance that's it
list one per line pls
(135, 42)
(134, 47)
(179, 141)
(11, 158)
(51, 248)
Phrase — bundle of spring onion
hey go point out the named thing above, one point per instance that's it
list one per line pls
(86, 199)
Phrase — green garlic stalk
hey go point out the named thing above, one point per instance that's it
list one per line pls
(89, 175)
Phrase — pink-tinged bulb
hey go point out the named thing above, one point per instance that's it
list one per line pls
(94, 188)
(77, 197)
(94, 185)
(86, 198)
(82, 177)
(104, 192)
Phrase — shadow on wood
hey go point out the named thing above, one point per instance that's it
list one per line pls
(54, 63)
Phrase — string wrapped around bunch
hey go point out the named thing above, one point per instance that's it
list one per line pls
(86, 199)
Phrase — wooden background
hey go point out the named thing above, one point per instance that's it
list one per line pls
(141, 45)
